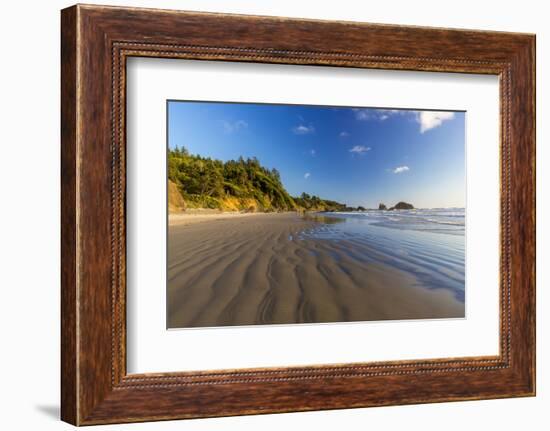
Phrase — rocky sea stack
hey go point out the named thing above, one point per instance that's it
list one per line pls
(402, 206)
(398, 206)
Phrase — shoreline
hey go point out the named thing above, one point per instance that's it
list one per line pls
(199, 216)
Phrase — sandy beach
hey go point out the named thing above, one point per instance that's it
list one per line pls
(246, 269)
(203, 216)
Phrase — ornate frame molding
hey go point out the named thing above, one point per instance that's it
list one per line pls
(96, 41)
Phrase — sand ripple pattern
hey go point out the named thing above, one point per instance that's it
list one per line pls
(266, 269)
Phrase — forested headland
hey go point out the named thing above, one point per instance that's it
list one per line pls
(234, 185)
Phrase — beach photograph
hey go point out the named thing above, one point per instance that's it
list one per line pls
(303, 214)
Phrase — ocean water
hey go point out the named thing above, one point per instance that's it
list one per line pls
(427, 243)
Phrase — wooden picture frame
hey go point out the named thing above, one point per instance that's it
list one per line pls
(95, 43)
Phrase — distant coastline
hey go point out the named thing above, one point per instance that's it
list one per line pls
(242, 185)
(202, 184)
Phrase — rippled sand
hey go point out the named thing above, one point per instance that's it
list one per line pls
(258, 269)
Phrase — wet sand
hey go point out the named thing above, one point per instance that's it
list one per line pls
(247, 269)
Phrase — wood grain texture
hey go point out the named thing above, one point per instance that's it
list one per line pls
(69, 366)
(96, 41)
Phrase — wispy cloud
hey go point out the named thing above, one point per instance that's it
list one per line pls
(307, 175)
(431, 119)
(368, 114)
(312, 152)
(400, 169)
(235, 126)
(427, 119)
(343, 134)
(359, 149)
(303, 129)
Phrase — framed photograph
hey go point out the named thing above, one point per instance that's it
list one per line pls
(266, 215)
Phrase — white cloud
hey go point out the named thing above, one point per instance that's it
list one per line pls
(432, 119)
(307, 175)
(235, 126)
(384, 114)
(366, 114)
(427, 119)
(400, 169)
(302, 129)
(359, 149)
(363, 114)
(344, 134)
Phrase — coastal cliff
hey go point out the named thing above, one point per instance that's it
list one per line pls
(243, 185)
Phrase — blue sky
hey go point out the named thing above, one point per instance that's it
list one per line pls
(357, 156)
